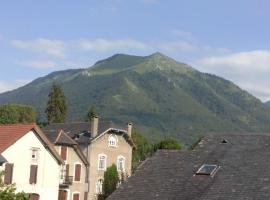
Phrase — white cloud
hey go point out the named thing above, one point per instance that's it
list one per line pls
(49, 47)
(250, 70)
(10, 85)
(103, 45)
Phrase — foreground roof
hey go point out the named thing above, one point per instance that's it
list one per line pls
(242, 172)
(10, 134)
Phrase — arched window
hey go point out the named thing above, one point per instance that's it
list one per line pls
(121, 163)
(99, 186)
(112, 141)
(102, 159)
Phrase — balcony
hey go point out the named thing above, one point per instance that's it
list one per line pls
(66, 181)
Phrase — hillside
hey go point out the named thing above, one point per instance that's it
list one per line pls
(158, 94)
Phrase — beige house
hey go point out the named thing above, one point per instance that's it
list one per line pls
(73, 177)
(103, 143)
(31, 162)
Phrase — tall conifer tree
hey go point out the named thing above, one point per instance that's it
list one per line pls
(56, 106)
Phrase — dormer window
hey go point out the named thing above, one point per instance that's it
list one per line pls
(112, 141)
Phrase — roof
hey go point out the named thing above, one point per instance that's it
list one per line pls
(59, 137)
(80, 131)
(2, 159)
(10, 134)
(242, 172)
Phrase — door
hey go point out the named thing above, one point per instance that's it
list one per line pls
(62, 195)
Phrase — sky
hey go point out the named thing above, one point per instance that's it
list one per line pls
(228, 38)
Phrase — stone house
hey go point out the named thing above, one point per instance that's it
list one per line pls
(103, 143)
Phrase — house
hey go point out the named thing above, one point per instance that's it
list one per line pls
(231, 167)
(103, 143)
(32, 162)
(73, 177)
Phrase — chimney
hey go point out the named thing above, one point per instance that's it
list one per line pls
(129, 129)
(94, 126)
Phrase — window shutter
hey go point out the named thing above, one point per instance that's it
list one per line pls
(8, 173)
(64, 152)
(67, 173)
(76, 196)
(33, 174)
(77, 172)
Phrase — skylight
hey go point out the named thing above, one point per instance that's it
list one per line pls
(207, 169)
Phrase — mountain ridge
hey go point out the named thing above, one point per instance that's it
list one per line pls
(161, 96)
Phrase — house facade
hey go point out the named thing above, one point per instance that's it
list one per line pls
(73, 175)
(32, 162)
(103, 143)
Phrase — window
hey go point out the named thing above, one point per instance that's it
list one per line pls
(207, 169)
(99, 186)
(77, 176)
(34, 196)
(8, 173)
(34, 153)
(33, 174)
(102, 161)
(63, 153)
(121, 163)
(112, 141)
(76, 196)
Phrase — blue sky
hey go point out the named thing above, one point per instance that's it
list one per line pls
(225, 37)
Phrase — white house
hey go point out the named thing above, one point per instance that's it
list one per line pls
(32, 162)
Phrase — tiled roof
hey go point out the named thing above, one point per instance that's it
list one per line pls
(9, 134)
(242, 173)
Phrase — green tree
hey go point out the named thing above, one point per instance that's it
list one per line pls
(7, 192)
(56, 106)
(168, 143)
(92, 112)
(111, 179)
(17, 113)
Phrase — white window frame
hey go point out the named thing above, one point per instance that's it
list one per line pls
(123, 163)
(112, 138)
(35, 152)
(74, 170)
(105, 162)
(99, 187)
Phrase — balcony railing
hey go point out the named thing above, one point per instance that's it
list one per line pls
(66, 181)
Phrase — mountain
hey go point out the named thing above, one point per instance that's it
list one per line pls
(159, 95)
(267, 103)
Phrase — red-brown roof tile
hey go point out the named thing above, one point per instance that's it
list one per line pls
(9, 134)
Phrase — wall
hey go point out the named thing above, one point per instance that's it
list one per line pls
(100, 146)
(48, 169)
(72, 159)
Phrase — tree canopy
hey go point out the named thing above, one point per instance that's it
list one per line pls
(17, 113)
(111, 180)
(56, 106)
(92, 112)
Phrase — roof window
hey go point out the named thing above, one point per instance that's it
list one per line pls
(207, 169)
